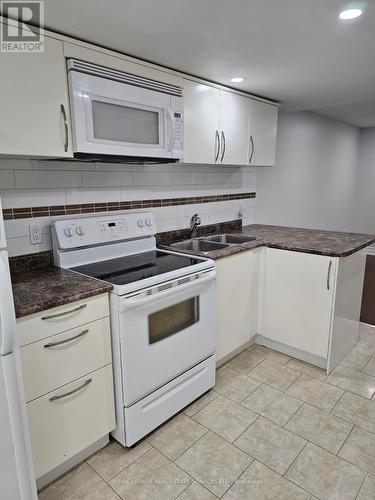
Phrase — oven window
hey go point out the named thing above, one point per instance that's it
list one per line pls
(173, 319)
(113, 122)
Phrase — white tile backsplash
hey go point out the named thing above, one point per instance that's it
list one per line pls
(32, 183)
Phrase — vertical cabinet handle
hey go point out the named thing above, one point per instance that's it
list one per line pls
(217, 145)
(252, 149)
(329, 275)
(223, 141)
(63, 112)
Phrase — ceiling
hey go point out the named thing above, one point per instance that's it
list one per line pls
(294, 51)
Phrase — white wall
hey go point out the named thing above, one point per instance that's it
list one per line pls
(31, 183)
(364, 205)
(313, 183)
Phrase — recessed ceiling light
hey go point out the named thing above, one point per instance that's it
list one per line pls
(350, 13)
(237, 79)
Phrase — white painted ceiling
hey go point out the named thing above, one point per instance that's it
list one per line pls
(294, 51)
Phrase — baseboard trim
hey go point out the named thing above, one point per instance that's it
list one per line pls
(291, 351)
(227, 357)
(42, 481)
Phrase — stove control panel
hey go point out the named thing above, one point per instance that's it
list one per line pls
(87, 231)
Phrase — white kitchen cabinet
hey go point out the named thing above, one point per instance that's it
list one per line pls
(34, 105)
(311, 304)
(201, 122)
(237, 300)
(234, 129)
(67, 369)
(263, 132)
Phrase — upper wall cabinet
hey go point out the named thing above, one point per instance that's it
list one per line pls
(263, 131)
(201, 123)
(227, 128)
(34, 105)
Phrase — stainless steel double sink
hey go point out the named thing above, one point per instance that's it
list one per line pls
(207, 244)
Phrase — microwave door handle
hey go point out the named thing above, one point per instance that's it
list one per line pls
(171, 134)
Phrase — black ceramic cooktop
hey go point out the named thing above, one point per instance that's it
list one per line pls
(132, 268)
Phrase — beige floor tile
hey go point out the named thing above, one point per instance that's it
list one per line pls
(366, 331)
(270, 444)
(315, 392)
(356, 359)
(369, 369)
(196, 492)
(214, 462)
(274, 374)
(226, 418)
(83, 485)
(272, 404)
(275, 356)
(359, 449)
(325, 475)
(234, 385)
(54, 484)
(245, 361)
(259, 482)
(323, 429)
(367, 345)
(353, 381)
(307, 369)
(357, 410)
(151, 476)
(176, 436)
(368, 489)
(112, 459)
(200, 403)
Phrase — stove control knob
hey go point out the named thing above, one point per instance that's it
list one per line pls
(140, 223)
(68, 232)
(80, 231)
(148, 222)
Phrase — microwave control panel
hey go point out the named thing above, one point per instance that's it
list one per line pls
(178, 132)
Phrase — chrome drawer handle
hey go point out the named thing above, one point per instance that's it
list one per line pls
(252, 149)
(329, 275)
(66, 143)
(58, 315)
(60, 342)
(85, 383)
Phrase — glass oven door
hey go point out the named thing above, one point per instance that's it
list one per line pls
(164, 334)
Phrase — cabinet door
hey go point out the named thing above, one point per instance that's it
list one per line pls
(33, 89)
(237, 292)
(201, 122)
(263, 130)
(234, 125)
(297, 302)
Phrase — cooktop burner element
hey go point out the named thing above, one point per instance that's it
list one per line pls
(124, 270)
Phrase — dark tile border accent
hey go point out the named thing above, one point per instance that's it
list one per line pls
(85, 208)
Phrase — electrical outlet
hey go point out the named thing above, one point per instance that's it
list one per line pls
(35, 231)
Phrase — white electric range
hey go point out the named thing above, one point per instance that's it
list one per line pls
(162, 315)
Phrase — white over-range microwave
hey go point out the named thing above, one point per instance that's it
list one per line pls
(117, 114)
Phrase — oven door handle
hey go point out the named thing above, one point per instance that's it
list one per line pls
(133, 301)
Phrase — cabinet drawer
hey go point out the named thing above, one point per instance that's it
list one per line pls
(61, 428)
(60, 359)
(59, 319)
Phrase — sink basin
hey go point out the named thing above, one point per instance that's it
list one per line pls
(198, 245)
(230, 239)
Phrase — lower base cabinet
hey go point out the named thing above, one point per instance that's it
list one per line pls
(237, 293)
(62, 425)
(67, 370)
(311, 303)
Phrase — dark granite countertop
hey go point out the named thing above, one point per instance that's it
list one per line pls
(328, 243)
(41, 289)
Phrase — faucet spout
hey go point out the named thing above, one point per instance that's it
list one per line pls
(195, 221)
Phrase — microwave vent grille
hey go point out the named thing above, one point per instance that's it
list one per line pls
(122, 77)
